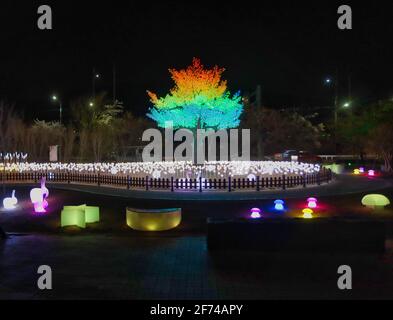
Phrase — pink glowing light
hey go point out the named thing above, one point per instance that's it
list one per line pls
(371, 173)
(38, 197)
(312, 203)
(255, 213)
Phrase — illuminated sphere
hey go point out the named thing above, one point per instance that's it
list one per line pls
(307, 213)
(361, 170)
(371, 173)
(255, 213)
(153, 220)
(279, 205)
(312, 203)
(356, 171)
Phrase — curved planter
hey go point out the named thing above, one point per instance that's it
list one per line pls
(153, 220)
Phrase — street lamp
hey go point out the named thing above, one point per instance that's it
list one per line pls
(94, 77)
(346, 105)
(329, 81)
(55, 98)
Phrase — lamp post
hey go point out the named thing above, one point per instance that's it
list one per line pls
(94, 77)
(334, 82)
(55, 98)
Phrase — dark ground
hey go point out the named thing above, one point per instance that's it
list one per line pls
(110, 261)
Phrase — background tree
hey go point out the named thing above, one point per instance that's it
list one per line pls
(368, 129)
(273, 131)
(94, 120)
(44, 134)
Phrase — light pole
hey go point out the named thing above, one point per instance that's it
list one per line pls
(94, 77)
(55, 98)
(334, 82)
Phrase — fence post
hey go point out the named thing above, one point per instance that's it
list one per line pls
(98, 179)
(258, 183)
(304, 180)
(283, 181)
(147, 183)
(200, 184)
(229, 184)
(128, 182)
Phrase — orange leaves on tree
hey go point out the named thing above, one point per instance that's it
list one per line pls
(193, 82)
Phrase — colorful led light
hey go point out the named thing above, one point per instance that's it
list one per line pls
(279, 205)
(312, 203)
(307, 213)
(361, 170)
(356, 171)
(199, 99)
(255, 213)
(371, 173)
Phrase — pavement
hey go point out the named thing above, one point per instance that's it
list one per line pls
(180, 267)
(108, 260)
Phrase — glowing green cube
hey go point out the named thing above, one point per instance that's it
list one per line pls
(73, 216)
(90, 215)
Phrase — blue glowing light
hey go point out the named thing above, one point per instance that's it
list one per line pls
(279, 205)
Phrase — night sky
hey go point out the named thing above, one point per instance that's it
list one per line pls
(286, 48)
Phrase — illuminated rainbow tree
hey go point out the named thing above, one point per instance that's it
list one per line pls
(199, 100)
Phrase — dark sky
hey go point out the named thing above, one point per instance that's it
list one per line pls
(287, 47)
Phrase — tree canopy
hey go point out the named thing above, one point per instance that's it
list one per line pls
(199, 99)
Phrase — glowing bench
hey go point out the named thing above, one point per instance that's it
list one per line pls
(79, 215)
(153, 220)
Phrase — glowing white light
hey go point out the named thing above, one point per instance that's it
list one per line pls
(10, 203)
(38, 197)
(177, 170)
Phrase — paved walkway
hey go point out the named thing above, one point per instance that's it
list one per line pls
(157, 267)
